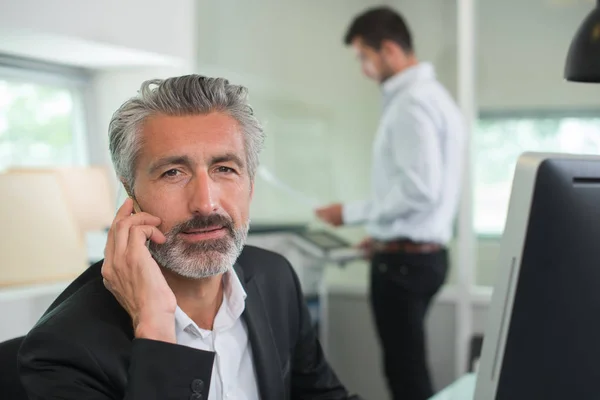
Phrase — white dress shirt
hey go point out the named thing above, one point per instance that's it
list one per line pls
(418, 155)
(233, 375)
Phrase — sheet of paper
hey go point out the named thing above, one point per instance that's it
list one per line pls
(297, 195)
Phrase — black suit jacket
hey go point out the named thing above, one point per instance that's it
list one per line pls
(83, 347)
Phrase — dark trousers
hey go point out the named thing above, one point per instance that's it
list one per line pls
(402, 286)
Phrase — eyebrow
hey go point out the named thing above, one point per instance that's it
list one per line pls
(171, 160)
(187, 162)
(228, 157)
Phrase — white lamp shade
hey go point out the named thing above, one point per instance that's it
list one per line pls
(87, 192)
(39, 240)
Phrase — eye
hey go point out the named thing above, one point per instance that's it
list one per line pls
(225, 170)
(171, 173)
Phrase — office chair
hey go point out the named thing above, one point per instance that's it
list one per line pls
(10, 384)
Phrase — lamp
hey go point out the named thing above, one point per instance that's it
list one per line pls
(583, 59)
(40, 240)
(87, 192)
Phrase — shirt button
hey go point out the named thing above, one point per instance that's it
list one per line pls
(382, 268)
(197, 385)
(404, 270)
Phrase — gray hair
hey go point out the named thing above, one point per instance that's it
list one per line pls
(178, 96)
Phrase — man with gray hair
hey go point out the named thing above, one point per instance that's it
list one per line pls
(179, 308)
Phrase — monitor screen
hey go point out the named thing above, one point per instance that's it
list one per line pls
(543, 330)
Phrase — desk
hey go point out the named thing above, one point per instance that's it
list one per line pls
(462, 389)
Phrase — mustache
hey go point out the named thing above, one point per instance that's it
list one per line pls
(203, 222)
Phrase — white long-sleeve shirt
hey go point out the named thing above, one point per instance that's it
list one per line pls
(418, 155)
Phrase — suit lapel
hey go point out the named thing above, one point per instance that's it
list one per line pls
(264, 350)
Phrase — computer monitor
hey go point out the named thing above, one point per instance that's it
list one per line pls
(543, 330)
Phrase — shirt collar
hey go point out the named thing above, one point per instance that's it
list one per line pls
(405, 78)
(232, 307)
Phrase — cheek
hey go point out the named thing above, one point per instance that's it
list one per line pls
(168, 205)
(235, 201)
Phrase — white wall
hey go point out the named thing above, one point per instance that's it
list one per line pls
(522, 48)
(157, 26)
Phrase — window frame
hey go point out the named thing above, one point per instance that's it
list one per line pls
(77, 80)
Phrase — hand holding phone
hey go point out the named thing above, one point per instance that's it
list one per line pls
(134, 277)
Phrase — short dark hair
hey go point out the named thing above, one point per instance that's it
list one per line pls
(378, 24)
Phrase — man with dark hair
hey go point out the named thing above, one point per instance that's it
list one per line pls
(416, 174)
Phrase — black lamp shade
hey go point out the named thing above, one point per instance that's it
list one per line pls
(583, 60)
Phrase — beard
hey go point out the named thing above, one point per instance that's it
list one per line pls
(205, 258)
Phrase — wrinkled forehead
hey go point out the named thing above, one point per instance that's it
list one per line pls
(200, 137)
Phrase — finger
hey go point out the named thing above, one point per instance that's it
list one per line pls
(111, 243)
(139, 234)
(121, 237)
(125, 210)
(123, 227)
(144, 218)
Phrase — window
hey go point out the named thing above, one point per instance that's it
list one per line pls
(500, 139)
(42, 120)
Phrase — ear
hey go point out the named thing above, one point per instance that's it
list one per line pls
(390, 48)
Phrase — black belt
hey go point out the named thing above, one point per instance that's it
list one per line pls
(406, 246)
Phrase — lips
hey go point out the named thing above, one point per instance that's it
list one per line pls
(203, 230)
(202, 234)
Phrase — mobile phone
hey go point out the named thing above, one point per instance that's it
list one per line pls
(136, 206)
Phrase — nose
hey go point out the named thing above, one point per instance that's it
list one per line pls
(204, 195)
